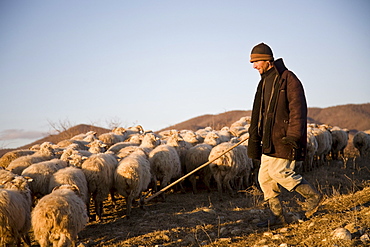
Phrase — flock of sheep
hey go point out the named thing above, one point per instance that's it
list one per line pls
(50, 186)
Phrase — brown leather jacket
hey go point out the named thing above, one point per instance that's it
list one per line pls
(286, 117)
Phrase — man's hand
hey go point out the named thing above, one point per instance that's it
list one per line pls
(288, 140)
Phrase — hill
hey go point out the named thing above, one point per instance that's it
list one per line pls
(355, 117)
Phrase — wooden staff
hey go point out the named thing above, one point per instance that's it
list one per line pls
(191, 172)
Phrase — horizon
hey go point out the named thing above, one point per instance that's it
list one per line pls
(68, 127)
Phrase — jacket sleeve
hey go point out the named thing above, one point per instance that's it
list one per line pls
(297, 108)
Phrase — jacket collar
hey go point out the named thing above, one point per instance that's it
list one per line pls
(279, 66)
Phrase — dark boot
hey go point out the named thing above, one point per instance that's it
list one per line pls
(312, 196)
(277, 217)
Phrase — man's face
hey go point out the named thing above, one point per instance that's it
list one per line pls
(262, 66)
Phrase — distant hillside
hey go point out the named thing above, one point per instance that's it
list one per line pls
(353, 117)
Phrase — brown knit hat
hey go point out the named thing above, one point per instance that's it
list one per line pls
(261, 52)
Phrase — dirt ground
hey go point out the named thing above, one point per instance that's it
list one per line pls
(202, 219)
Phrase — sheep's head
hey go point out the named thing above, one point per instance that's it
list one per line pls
(19, 183)
(72, 187)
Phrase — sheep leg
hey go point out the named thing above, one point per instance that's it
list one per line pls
(129, 204)
(27, 240)
(112, 197)
(207, 180)
(193, 181)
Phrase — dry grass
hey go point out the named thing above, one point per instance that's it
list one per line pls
(185, 219)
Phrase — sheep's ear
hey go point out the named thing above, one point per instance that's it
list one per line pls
(29, 179)
(76, 190)
(56, 188)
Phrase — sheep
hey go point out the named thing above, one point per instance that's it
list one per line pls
(81, 145)
(361, 141)
(149, 142)
(113, 137)
(87, 137)
(165, 162)
(212, 138)
(132, 177)
(115, 149)
(234, 165)
(195, 157)
(130, 131)
(201, 133)
(340, 141)
(68, 152)
(41, 173)
(190, 138)
(15, 210)
(312, 146)
(12, 155)
(240, 127)
(243, 121)
(99, 171)
(324, 142)
(96, 146)
(46, 152)
(59, 216)
(73, 176)
(225, 134)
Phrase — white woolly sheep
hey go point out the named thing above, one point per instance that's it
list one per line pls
(212, 138)
(99, 170)
(195, 157)
(311, 150)
(72, 176)
(324, 142)
(340, 141)
(232, 166)
(41, 173)
(58, 217)
(243, 121)
(165, 163)
(87, 137)
(46, 152)
(225, 134)
(113, 137)
(149, 142)
(15, 210)
(132, 177)
(96, 147)
(69, 151)
(115, 149)
(12, 155)
(189, 137)
(81, 145)
(201, 133)
(361, 141)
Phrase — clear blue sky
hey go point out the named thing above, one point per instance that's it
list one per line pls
(158, 63)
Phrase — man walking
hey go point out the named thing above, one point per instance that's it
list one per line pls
(278, 133)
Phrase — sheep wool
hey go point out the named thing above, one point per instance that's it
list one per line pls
(46, 152)
(41, 173)
(15, 210)
(58, 217)
(99, 171)
(233, 167)
(132, 177)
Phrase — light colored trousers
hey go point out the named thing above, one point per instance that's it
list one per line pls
(274, 171)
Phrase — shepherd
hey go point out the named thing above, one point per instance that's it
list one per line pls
(278, 134)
